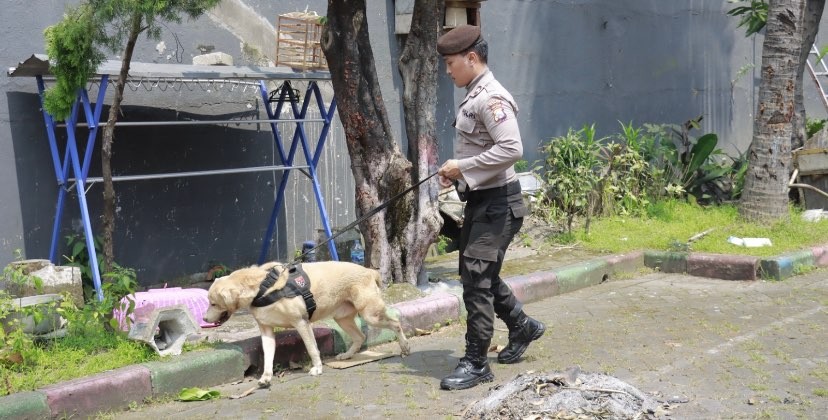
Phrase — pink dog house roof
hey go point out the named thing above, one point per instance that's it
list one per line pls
(145, 302)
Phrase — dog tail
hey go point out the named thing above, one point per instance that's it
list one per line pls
(377, 278)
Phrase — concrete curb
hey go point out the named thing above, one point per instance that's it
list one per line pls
(820, 255)
(668, 262)
(427, 312)
(116, 389)
(25, 405)
(785, 265)
(726, 267)
(111, 390)
(736, 267)
(205, 368)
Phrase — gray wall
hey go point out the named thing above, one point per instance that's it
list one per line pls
(567, 64)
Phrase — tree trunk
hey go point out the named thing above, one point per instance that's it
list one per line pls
(813, 14)
(765, 196)
(380, 170)
(418, 68)
(106, 145)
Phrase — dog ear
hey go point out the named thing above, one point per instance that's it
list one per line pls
(230, 296)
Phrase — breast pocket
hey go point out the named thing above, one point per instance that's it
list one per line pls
(465, 124)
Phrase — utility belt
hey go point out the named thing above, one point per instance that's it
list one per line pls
(479, 195)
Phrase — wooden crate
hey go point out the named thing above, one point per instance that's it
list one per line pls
(297, 42)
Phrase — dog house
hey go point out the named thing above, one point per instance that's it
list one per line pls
(276, 88)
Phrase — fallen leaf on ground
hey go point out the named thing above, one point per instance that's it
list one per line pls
(197, 394)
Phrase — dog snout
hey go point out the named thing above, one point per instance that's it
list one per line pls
(216, 316)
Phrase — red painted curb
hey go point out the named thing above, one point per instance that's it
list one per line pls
(425, 312)
(725, 267)
(533, 287)
(111, 390)
(820, 255)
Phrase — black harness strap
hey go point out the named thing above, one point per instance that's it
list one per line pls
(298, 284)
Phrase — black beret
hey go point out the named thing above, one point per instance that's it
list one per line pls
(458, 39)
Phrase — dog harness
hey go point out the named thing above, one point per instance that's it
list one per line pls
(298, 284)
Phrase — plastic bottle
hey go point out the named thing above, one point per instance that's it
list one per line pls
(309, 254)
(357, 253)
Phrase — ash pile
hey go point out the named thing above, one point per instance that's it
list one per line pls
(572, 395)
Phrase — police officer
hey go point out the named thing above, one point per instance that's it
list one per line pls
(487, 145)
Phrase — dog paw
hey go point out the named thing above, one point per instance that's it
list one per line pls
(264, 383)
(344, 356)
(405, 350)
(316, 371)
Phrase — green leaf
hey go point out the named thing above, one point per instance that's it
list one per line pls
(78, 248)
(701, 151)
(197, 394)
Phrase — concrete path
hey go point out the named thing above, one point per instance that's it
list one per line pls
(715, 348)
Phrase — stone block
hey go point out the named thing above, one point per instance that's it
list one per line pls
(213, 59)
(56, 280)
(165, 329)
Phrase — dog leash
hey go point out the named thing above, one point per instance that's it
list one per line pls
(367, 215)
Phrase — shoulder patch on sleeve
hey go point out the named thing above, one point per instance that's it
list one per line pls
(476, 91)
(497, 107)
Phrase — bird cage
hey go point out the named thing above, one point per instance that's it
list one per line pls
(297, 41)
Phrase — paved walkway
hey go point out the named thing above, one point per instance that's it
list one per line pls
(730, 349)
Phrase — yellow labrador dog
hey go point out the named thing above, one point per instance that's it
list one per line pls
(341, 290)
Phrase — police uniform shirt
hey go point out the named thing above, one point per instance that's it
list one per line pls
(488, 140)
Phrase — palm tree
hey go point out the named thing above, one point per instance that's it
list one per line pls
(765, 194)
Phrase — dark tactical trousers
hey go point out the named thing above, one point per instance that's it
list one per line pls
(491, 219)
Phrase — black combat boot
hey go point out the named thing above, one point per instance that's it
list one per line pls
(472, 369)
(522, 331)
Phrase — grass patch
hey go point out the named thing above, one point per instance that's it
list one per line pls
(669, 223)
(88, 348)
(72, 357)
